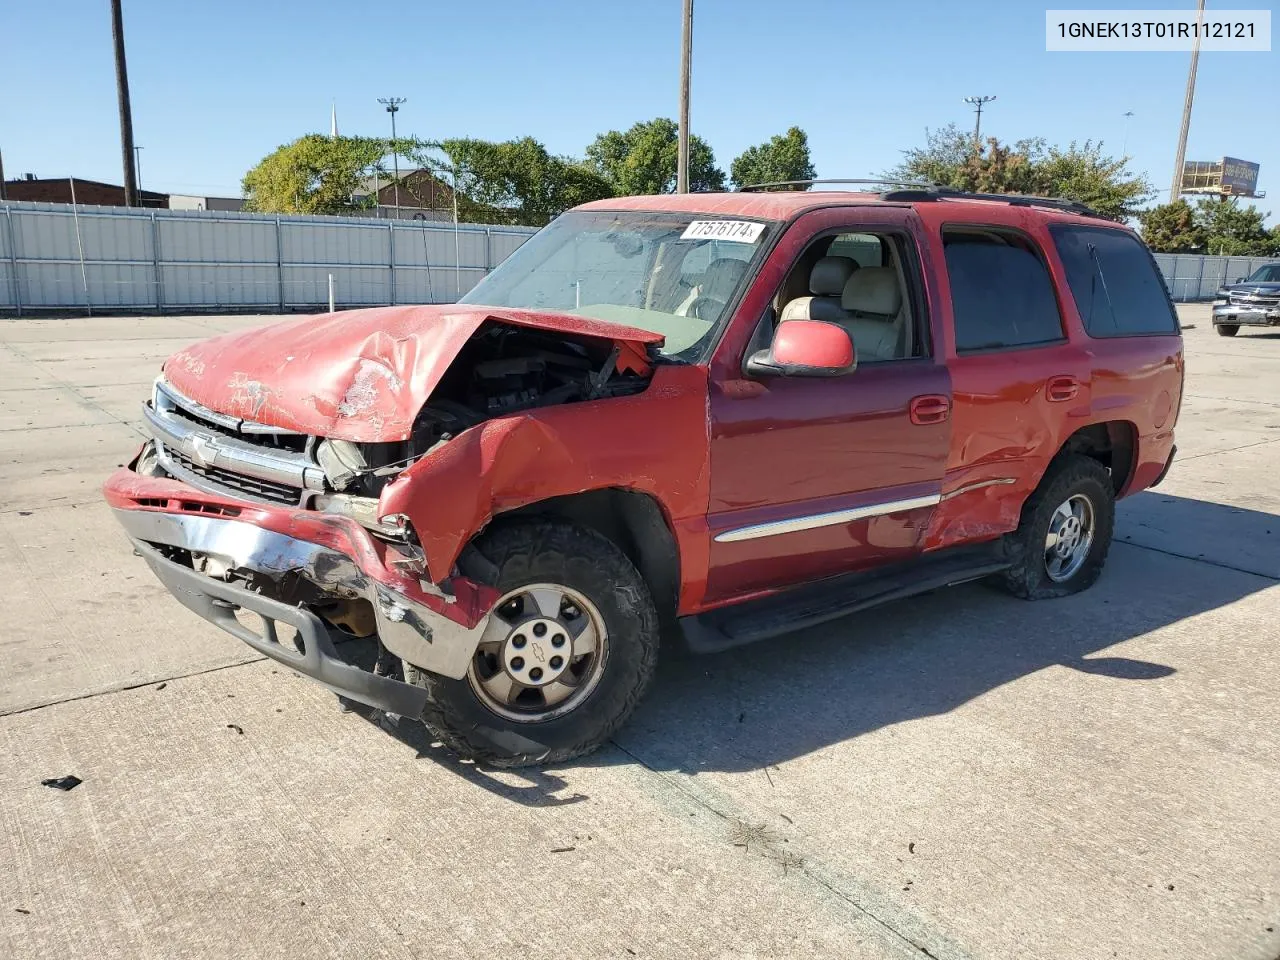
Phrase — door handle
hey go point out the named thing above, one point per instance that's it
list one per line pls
(1061, 388)
(930, 408)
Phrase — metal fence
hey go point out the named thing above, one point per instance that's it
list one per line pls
(1193, 276)
(56, 257)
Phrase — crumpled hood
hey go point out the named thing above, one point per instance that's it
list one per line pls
(359, 375)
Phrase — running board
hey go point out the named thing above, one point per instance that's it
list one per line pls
(816, 603)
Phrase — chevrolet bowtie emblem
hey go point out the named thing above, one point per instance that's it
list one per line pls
(203, 450)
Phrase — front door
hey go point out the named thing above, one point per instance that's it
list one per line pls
(816, 477)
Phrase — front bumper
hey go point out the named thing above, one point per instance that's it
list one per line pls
(1241, 315)
(172, 525)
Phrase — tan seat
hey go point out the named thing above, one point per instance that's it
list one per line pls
(827, 281)
(872, 301)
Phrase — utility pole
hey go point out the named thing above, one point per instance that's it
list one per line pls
(1180, 158)
(686, 55)
(137, 164)
(978, 104)
(126, 114)
(2, 192)
(393, 105)
(1128, 120)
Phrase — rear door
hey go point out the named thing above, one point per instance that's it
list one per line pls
(1020, 386)
(815, 477)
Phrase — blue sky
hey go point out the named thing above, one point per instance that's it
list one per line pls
(216, 85)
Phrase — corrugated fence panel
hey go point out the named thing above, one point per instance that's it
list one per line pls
(339, 243)
(217, 241)
(116, 257)
(213, 285)
(8, 281)
(308, 286)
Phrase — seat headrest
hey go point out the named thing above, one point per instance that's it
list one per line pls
(801, 308)
(874, 291)
(829, 275)
(721, 278)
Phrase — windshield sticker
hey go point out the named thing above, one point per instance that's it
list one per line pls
(741, 231)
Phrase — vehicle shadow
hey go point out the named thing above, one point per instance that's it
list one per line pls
(775, 701)
(771, 702)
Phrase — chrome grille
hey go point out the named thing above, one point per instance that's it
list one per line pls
(1254, 299)
(222, 454)
(234, 484)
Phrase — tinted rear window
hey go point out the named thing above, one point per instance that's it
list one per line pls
(1114, 282)
(1001, 295)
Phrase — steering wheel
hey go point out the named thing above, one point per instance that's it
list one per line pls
(706, 308)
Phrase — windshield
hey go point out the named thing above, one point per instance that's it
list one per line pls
(671, 274)
(1268, 274)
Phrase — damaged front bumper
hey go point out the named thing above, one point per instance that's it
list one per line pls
(1234, 314)
(261, 550)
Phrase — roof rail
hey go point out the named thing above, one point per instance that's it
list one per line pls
(918, 190)
(935, 192)
(750, 187)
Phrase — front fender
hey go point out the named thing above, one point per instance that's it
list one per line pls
(655, 442)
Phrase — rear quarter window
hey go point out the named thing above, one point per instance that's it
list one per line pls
(1114, 282)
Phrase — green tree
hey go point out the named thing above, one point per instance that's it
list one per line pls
(1077, 172)
(516, 181)
(1172, 228)
(643, 159)
(1234, 231)
(316, 174)
(784, 157)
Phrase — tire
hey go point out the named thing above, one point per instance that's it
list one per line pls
(1227, 329)
(582, 562)
(1070, 480)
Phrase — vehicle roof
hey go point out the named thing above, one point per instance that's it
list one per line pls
(785, 205)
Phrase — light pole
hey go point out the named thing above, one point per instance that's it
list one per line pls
(393, 105)
(137, 171)
(686, 54)
(1180, 158)
(978, 104)
(1128, 121)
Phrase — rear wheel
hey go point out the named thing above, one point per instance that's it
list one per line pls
(1227, 329)
(1061, 544)
(568, 652)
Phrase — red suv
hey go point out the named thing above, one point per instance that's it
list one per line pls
(711, 418)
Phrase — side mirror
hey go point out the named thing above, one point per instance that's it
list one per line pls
(1239, 280)
(805, 348)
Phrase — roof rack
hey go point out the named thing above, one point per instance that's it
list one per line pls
(808, 183)
(921, 190)
(937, 192)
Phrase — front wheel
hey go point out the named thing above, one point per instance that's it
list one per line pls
(1227, 329)
(1061, 544)
(568, 652)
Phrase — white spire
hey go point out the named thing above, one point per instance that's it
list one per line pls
(333, 120)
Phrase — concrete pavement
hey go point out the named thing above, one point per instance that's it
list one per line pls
(960, 776)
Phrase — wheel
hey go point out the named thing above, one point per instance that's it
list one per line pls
(1226, 329)
(568, 652)
(1061, 544)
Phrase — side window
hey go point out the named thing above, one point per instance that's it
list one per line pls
(869, 284)
(1114, 282)
(1001, 292)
